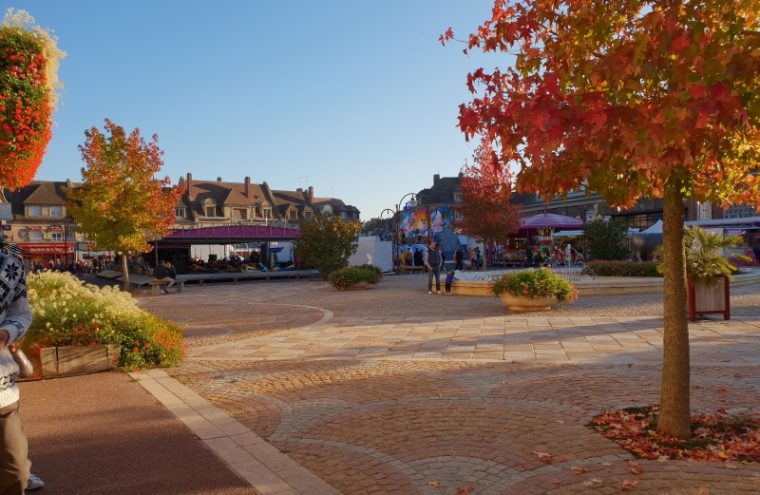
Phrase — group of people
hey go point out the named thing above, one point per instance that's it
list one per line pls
(434, 263)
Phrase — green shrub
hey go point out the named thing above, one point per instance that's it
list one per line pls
(624, 268)
(67, 311)
(352, 275)
(606, 240)
(535, 283)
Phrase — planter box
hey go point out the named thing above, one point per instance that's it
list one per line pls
(708, 297)
(77, 360)
(524, 303)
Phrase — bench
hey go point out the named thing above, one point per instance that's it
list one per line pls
(412, 269)
(156, 284)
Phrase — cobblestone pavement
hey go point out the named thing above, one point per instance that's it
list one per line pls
(390, 390)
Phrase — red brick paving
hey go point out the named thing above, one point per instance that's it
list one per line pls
(371, 424)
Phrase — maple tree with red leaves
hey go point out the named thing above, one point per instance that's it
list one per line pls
(485, 208)
(121, 206)
(28, 82)
(631, 99)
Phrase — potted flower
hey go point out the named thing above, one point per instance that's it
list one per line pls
(355, 277)
(533, 290)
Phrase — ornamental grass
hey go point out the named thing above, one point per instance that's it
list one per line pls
(67, 311)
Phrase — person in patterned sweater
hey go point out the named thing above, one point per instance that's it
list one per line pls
(15, 318)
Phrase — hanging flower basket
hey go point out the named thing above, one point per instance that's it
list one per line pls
(28, 64)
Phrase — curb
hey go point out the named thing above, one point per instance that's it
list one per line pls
(255, 460)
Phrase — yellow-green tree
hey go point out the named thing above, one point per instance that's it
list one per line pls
(628, 98)
(121, 205)
(326, 243)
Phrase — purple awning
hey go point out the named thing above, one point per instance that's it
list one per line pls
(550, 220)
(232, 234)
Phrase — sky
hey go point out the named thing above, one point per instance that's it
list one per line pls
(355, 98)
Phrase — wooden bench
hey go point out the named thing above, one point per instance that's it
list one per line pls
(412, 269)
(156, 284)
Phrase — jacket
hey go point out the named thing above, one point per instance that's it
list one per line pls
(15, 318)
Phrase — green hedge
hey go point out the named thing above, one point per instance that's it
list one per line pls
(352, 275)
(623, 268)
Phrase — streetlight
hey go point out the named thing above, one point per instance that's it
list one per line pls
(412, 202)
(381, 216)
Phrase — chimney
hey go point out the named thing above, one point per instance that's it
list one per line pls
(310, 198)
(189, 182)
(436, 178)
(69, 184)
(248, 187)
(219, 179)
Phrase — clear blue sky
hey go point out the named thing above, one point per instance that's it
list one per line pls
(357, 96)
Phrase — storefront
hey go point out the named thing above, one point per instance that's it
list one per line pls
(47, 251)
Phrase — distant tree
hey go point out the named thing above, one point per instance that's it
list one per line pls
(485, 208)
(326, 243)
(633, 98)
(29, 60)
(606, 240)
(122, 206)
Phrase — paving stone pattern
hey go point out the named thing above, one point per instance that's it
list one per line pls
(392, 391)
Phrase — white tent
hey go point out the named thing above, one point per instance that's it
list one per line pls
(656, 228)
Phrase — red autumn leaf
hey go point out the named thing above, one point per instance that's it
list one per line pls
(697, 91)
(434, 484)
(464, 490)
(543, 456)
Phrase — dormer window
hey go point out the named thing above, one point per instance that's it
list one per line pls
(209, 208)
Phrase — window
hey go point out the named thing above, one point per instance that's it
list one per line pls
(267, 213)
(56, 211)
(457, 215)
(56, 236)
(35, 235)
(34, 211)
(210, 208)
(179, 212)
(240, 213)
(457, 197)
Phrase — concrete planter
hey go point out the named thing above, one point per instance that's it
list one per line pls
(525, 304)
(77, 359)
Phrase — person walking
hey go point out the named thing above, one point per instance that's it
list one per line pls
(15, 318)
(434, 263)
(459, 258)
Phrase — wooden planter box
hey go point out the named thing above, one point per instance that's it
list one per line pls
(77, 360)
(708, 297)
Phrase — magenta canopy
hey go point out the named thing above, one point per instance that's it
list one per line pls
(550, 220)
(229, 234)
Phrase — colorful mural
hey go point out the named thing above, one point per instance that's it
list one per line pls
(414, 220)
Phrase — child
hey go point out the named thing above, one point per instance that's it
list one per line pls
(449, 281)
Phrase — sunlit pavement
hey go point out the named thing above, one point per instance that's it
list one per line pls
(391, 390)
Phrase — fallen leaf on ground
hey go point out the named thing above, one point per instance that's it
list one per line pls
(557, 482)
(579, 469)
(592, 482)
(629, 485)
(464, 490)
(704, 490)
(606, 464)
(543, 456)
(434, 484)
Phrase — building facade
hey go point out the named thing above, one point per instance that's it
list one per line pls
(38, 222)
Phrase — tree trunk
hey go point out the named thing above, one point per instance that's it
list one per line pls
(125, 269)
(674, 417)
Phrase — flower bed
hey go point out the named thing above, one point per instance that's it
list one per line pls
(69, 312)
(714, 437)
(623, 268)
